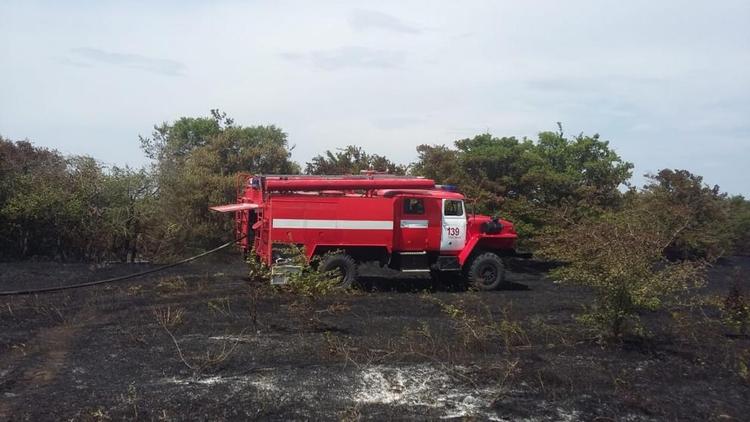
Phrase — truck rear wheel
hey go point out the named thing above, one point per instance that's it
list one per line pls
(486, 271)
(344, 265)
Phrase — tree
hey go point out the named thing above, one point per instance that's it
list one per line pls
(81, 219)
(32, 191)
(172, 142)
(64, 208)
(526, 179)
(196, 162)
(704, 209)
(351, 160)
(738, 209)
(130, 198)
(439, 163)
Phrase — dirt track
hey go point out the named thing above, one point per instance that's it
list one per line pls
(202, 343)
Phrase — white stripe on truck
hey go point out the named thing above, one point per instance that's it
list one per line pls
(413, 224)
(298, 223)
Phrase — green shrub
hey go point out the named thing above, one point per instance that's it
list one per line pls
(307, 282)
(258, 271)
(620, 255)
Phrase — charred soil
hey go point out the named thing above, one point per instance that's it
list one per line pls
(201, 342)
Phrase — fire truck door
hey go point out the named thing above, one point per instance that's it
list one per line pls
(412, 224)
(453, 236)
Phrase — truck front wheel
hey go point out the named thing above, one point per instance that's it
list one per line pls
(486, 271)
(345, 267)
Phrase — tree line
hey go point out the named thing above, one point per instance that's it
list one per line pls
(75, 208)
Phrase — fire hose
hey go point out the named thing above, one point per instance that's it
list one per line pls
(120, 278)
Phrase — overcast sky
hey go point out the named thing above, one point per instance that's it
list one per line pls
(667, 82)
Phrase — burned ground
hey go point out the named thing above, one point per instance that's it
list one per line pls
(201, 342)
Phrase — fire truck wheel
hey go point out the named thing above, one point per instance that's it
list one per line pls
(345, 265)
(487, 271)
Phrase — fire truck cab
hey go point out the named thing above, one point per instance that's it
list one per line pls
(409, 224)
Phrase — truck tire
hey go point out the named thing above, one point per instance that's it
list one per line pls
(343, 263)
(486, 271)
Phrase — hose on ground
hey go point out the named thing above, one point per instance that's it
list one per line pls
(120, 278)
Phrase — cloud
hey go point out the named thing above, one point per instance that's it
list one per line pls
(72, 62)
(350, 57)
(86, 56)
(362, 19)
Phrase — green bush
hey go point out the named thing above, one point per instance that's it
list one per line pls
(620, 255)
(308, 282)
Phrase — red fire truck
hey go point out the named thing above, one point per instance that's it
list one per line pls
(406, 223)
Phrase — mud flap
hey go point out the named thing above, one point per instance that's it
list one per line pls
(448, 263)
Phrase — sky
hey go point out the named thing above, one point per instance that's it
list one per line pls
(667, 82)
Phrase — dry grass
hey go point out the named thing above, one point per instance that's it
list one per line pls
(169, 317)
(212, 358)
(221, 306)
(50, 309)
(168, 285)
(479, 329)
(199, 363)
(135, 290)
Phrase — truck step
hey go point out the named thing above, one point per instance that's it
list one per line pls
(412, 261)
